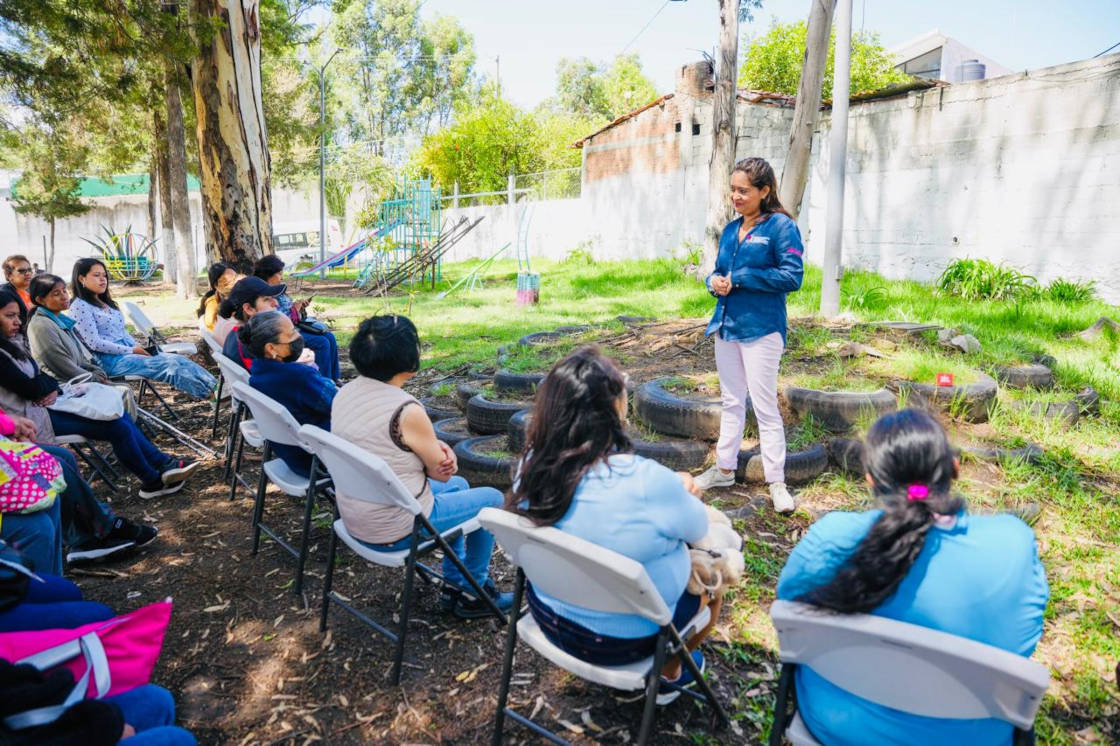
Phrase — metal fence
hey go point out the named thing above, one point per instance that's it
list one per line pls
(562, 183)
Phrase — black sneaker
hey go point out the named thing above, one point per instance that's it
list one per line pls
(158, 489)
(465, 605)
(137, 533)
(96, 549)
(178, 471)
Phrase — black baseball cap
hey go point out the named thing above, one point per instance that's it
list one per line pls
(248, 289)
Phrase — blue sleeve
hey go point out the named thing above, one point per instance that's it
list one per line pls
(787, 275)
(822, 551)
(1035, 595)
(677, 513)
(324, 392)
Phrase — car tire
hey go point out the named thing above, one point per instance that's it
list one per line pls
(801, 466)
(491, 417)
(669, 414)
(838, 411)
(1035, 375)
(453, 431)
(975, 399)
(482, 469)
(509, 382)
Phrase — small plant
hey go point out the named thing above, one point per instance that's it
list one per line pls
(1062, 290)
(979, 279)
(690, 252)
(866, 299)
(805, 433)
(581, 254)
(443, 389)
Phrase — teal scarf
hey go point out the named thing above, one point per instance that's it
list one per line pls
(65, 322)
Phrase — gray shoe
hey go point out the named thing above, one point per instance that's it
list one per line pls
(714, 477)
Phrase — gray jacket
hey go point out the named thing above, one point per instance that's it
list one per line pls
(58, 351)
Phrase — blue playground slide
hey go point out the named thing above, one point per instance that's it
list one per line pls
(351, 251)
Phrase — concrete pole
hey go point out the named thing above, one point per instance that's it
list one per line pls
(323, 163)
(838, 147)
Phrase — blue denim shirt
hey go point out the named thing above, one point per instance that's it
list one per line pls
(981, 578)
(764, 267)
(303, 392)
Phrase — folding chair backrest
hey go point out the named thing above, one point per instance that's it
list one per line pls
(356, 472)
(911, 668)
(210, 340)
(273, 419)
(232, 372)
(138, 318)
(574, 570)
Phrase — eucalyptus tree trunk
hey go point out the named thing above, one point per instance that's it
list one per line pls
(167, 235)
(177, 186)
(232, 143)
(807, 108)
(723, 133)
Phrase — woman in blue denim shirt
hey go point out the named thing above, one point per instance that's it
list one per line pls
(759, 262)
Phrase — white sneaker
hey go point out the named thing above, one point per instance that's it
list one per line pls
(714, 477)
(779, 495)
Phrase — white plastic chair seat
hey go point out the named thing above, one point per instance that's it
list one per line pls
(630, 677)
(798, 734)
(399, 557)
(69, 440)
(179, 348)
(287, 480)
(251, 433)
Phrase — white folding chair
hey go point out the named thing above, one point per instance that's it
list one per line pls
(145, 326)
(361, 475)
(584, 574)
(880, 660)
(231, 372)
(220, 391)
(276, 425)
(93, 458)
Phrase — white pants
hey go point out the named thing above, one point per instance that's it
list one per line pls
(751, 367)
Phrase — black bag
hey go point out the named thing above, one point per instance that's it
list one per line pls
(14, 576)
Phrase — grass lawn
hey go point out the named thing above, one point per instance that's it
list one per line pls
(1077, 481)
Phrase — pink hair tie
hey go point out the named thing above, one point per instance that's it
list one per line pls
(917, 492)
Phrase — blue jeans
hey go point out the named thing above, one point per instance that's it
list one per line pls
(132, 447)
(455, 502)
(325, 347)
(150, 709)
(83, 516)
(37, 535)
(54, 603)
(178, 370)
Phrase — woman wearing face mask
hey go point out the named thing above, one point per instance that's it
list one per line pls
(276, 346)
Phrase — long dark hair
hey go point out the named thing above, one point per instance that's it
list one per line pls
(911, 463)
(575, 424)
(217, 269)
(17, 351)
(761, 174)
(40, 287)
(78, 290)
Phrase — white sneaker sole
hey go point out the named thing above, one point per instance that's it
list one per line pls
(167, 490)
(175, 476)
(86, 555)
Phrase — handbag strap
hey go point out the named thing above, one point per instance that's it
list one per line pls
(97, 664)
(20, 569)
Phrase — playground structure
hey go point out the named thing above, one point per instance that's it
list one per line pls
(528, 282)
(408, 225)
(128, 256)
(422, 263)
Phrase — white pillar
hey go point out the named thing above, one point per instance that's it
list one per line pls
(838, 149)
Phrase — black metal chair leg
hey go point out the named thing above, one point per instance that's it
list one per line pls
(97, 469)
(406, 602)
(781, 705)
(217, 407)
(235, 477)
(159, 397)
(308, 508)
(328, 581)
(258, 506)
(507, 658)
(235, 415)
(649, 712)
(455, 560)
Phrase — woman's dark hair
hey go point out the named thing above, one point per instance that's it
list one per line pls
(384, 346)
(575, 424)
(761, 174)
(82, 268)
(267, 266)
(217, 269)
(263, 328)
(11, 262)
(42, 286)
(911, 463)
(8, 297)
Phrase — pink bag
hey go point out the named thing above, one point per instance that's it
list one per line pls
(30, 478)
(106, 658)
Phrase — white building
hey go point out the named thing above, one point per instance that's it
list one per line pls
(939, 57)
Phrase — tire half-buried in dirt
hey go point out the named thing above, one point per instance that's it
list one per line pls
(838, 411)
(509, 382)
(801, 466)
(669, 414)
(452, 431)
(436, 412)
(1034, 375)
(518, 430)
(489, 417)
(970, 401)
(482, 469)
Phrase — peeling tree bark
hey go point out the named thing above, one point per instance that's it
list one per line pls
(723, 133)
(177, 186)
(167, 236)
(232, 142)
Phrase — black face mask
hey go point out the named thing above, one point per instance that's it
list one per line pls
(295, 349)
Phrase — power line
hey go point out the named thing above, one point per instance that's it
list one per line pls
(1117, 44)
(643, 29)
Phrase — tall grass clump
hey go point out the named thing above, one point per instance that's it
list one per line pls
(979, 279)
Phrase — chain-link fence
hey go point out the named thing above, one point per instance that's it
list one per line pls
(562, 183)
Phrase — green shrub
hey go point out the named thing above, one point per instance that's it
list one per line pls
(979, 279)
(1062, 290)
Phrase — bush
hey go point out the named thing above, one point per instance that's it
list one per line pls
(1062, 290)
(979, 279)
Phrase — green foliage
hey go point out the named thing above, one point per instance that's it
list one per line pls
(51, 158)
(773, 62)
(600, 92)
(1062, 290)
(976, 279)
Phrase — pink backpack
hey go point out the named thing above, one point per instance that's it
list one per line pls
(106, 658)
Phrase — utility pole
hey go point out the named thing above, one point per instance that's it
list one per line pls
(323, 164)
(838, 149)
(498, 73)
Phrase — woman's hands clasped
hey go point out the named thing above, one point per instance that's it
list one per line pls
(721, 284)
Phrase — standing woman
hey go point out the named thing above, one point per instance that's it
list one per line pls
(18, 273)
(100, 324)
(759, 262)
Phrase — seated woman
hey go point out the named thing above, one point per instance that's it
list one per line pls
(47, 602)
(27, 392)
(100, 325)
(50, 333)
(276, 347)
(250, 296)
(579, 474)
(375, 413)
(222, 276)
(316, 335)
(89, 527)
(18, 273)
(919, 559)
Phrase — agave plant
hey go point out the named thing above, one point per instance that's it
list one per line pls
(128, 256)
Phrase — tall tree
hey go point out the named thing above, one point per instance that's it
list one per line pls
(159, 155)
(444, 70)
(602, 92)
(233, 145)
(177, 188)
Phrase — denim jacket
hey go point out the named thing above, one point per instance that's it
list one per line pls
(764, 267)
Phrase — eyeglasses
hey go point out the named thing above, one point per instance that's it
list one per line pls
(24, 271)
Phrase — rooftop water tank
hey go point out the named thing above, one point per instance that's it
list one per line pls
(972, 70)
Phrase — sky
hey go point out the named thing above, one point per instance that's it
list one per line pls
(528, 37)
